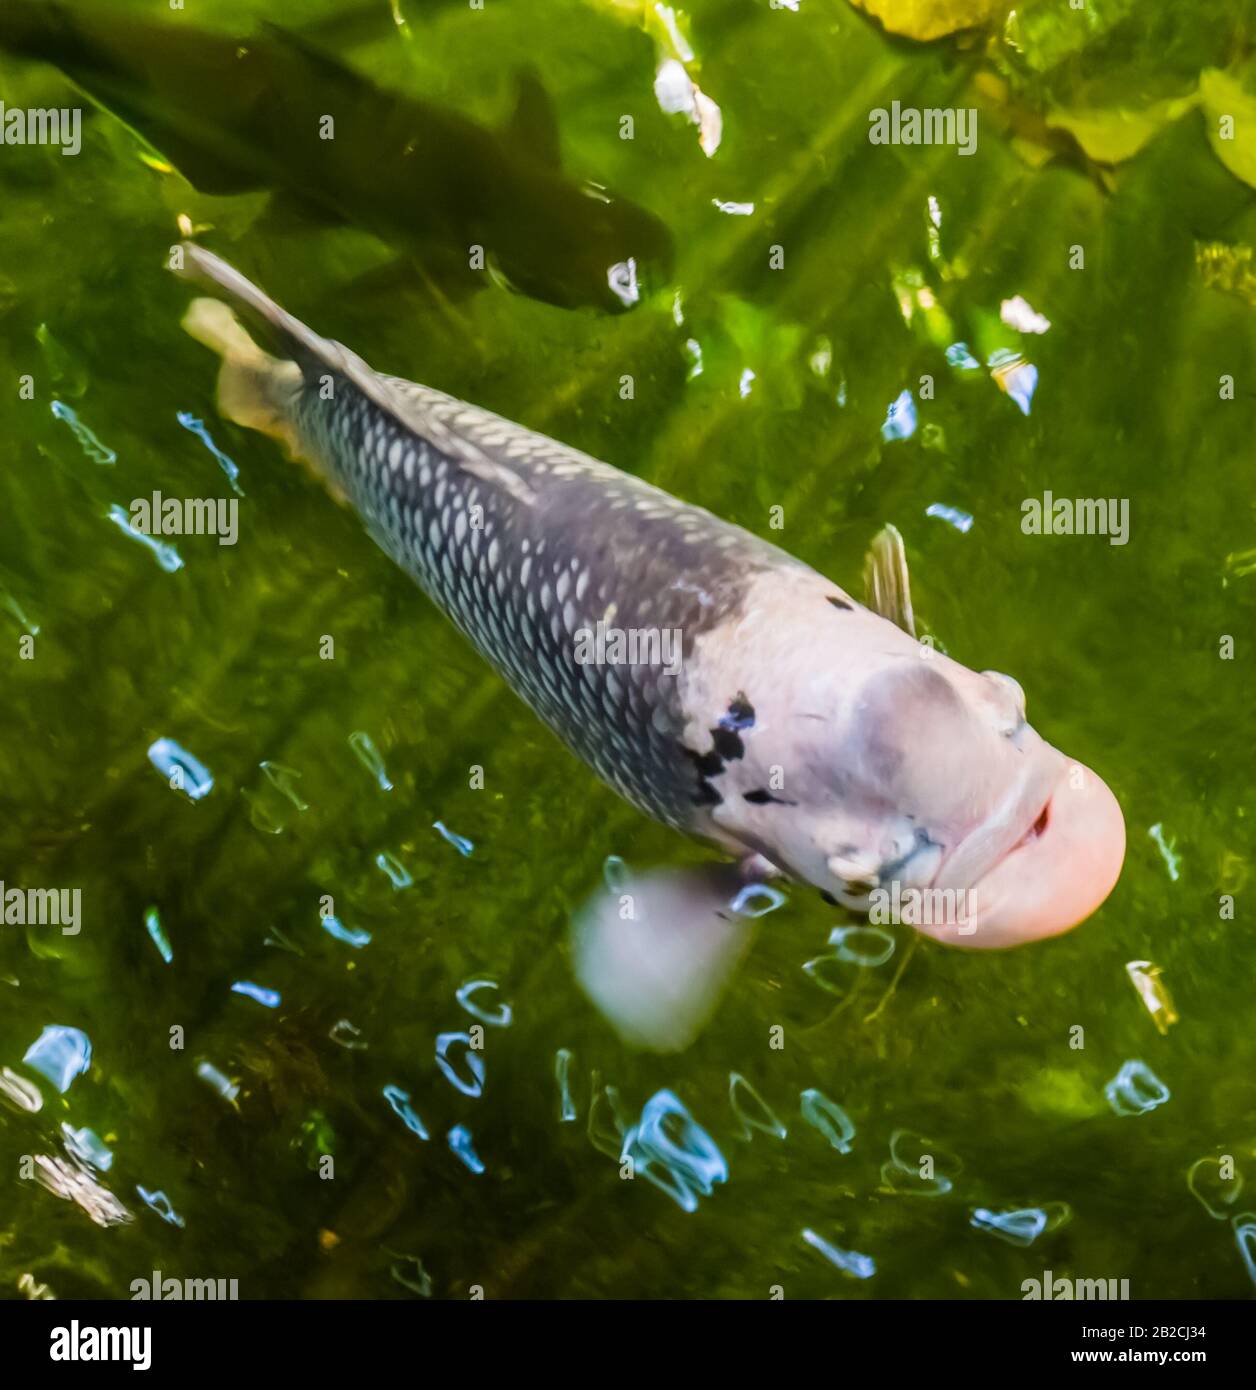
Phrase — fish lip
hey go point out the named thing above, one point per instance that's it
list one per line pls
(1008, 827)
(1054, 876)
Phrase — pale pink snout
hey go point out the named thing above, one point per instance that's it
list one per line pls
(1054, 878)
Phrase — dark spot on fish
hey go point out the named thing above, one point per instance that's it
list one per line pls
(762, 798)
(740, 714)
(706, 765)
(839, 603)
(829, 898)
(728, 743)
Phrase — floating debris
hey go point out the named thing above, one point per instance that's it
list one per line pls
(1168, 850)
(368, 756)
(678, 94)
(74, 1183)
(829, 1118)
(280, 778)
(180, 769)
(866, 946)
(60, 1054)
(460, 1143)
(91, 446)
(400, 1102)
(1019, 314)
(166, 555)
(757, 900)
(567, 1111)
(160, 1203)
(692, 1161)
(913, 1169)
(152, 923)
(397, 873)
(834, 976)
(19, 1093)
(958, 355)
(760, 1117)
(214, 1079)
(344, 1033)
(733, 209)
(1015, 377)
(499, 1017)
(88, 1147)
(900, 419)
(1020, 1225)
(195, 426)
(745, 383)
(1135, 1090)
(420, 1281)
(621, 280)
(1145, 978)
(694, 348)
(267, 998)
(1216, 1192)
(953, 516)
(459, 842)
(351, 936)
(475, 1063)
(848, 1261)
(33, 1290)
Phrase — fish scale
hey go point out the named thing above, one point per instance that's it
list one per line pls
(591, 543)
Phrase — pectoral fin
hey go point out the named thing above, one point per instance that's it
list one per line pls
(654, 951)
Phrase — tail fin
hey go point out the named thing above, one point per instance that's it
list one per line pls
(255, 389)
(258, 390)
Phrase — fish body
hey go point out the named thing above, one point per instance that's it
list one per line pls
(795, 726)
(269, 111)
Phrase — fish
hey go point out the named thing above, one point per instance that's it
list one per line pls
(803, 733)
(239, 114)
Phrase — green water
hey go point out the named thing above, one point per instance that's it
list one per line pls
(1119, 649)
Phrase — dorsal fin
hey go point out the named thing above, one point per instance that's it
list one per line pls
(887, 585)
(533, 127)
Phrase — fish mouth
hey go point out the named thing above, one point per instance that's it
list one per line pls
(1050, 877)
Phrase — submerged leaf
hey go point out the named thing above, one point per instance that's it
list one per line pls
(1111, 137)
(1231, 113)
(929, 19)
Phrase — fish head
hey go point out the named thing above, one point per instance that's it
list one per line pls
(577, 245)
(920, 793)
